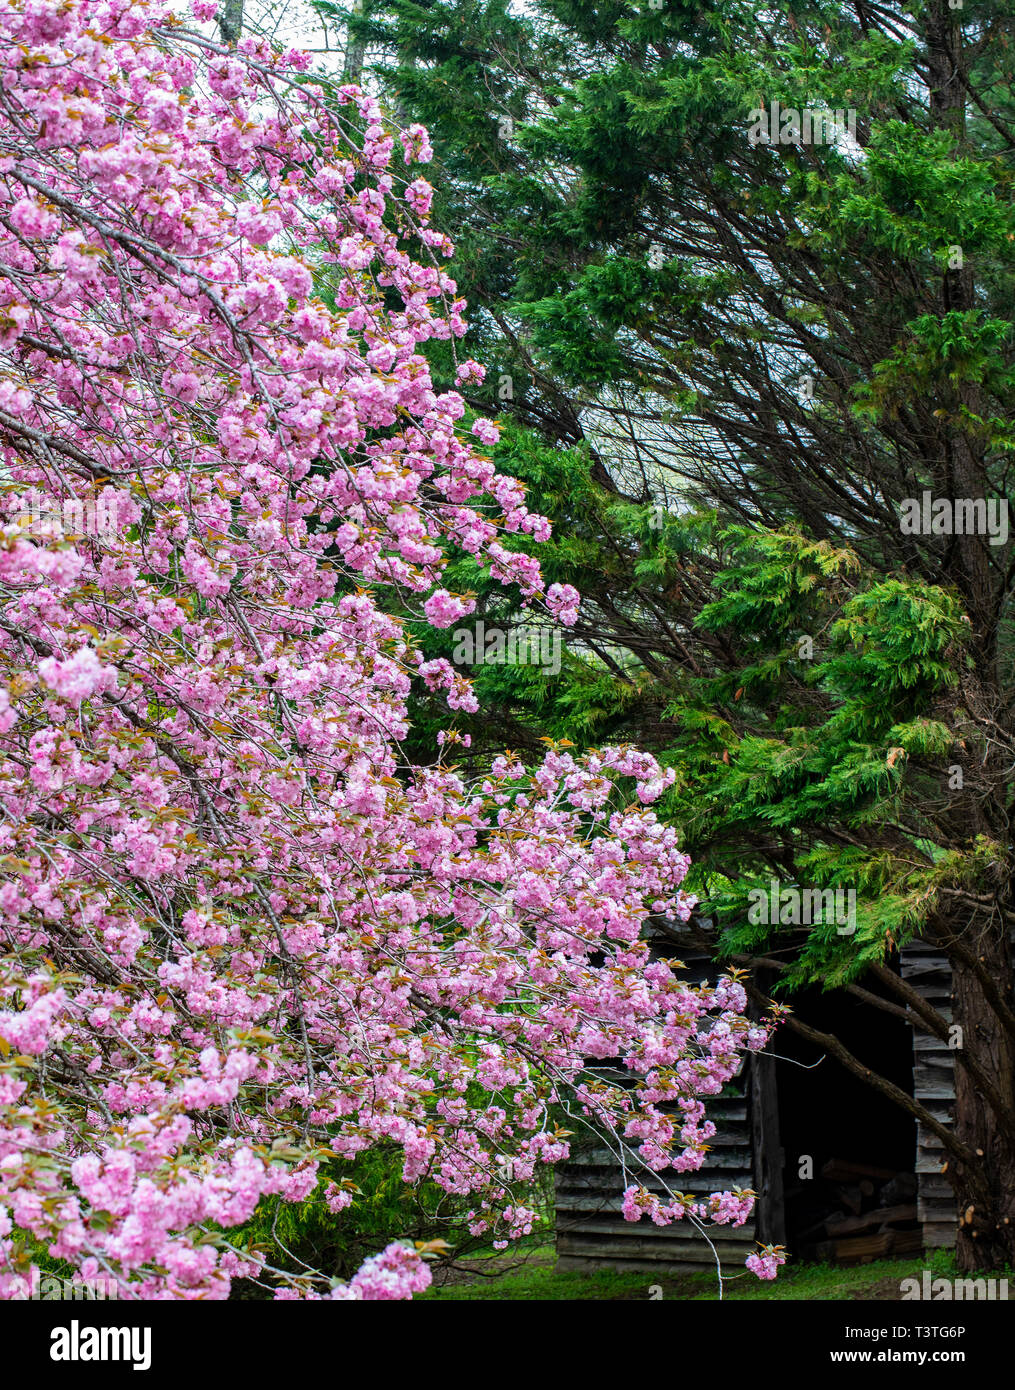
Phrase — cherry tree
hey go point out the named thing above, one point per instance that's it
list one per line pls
(241, 940)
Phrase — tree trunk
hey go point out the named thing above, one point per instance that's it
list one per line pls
(985, 1193)
(963, 474)
(230, 18)
(355, 49)
(985, 1186)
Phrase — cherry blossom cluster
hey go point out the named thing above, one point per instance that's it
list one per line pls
(241, 941)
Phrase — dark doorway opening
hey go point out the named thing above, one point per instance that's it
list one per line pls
(849, 1152)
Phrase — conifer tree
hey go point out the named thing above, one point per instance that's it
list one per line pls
(764, 390)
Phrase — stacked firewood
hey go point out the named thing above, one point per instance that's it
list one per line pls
(870, 1214)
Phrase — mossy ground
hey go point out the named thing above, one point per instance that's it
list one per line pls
(532, 1274)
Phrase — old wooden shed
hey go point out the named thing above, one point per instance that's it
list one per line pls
(821, 1149)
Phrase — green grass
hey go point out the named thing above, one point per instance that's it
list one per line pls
(539, 1281)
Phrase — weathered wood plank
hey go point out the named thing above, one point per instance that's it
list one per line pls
(578, 1263)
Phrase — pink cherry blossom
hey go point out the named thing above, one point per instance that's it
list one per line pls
(562, 601)
(241, 940)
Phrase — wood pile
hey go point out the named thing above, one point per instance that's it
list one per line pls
(868, 1213)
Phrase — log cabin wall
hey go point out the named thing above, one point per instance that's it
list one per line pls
(934, 1087)
(591, 1230)
(746, 1152)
